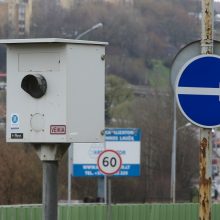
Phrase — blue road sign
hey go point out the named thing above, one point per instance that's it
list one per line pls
(198, 90)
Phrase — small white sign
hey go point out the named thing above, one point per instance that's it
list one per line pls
(109, 162)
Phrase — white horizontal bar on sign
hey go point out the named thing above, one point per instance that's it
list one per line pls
(198, 91)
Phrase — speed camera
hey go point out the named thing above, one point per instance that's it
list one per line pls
(55, 90)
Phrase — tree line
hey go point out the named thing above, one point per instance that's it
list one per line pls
(143, 40)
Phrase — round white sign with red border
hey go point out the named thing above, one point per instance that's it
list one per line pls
(109, 162)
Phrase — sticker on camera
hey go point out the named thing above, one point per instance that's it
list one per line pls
(58, 129)
(15, 121)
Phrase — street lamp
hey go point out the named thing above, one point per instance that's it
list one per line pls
(70, 149)
(173, 158)
(186, 125)
(96, 26)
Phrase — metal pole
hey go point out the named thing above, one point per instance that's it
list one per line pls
(50, 154)
(173, 159)
(105, 186)
(205, 182)
(50, 171)
(70, 159)
(109, 199)
(105, 189)
(207, 27)
(101, 191)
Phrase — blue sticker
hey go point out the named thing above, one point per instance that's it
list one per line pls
(14, 119)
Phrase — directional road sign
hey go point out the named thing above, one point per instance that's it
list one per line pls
(198, 90)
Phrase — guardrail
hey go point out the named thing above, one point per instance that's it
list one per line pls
(179, 211)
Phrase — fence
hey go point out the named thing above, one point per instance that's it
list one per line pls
(184, 211)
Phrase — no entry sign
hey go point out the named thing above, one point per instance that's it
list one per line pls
(198, 90)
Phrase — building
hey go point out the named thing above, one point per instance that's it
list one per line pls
(15, 17)
(66, 4)
(19, 16)
(3, 16)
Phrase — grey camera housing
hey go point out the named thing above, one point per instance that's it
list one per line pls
(70, 107)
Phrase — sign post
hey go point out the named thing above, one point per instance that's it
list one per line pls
(206, 94)
(205, 183)
(50, 184)
(197, 94)
(109, 162)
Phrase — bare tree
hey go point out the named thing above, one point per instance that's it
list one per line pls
(20, 173)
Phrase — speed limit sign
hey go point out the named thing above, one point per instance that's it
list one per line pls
(109, 162)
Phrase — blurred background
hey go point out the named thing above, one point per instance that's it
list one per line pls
(144, 36)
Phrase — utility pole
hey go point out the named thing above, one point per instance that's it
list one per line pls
(205, 182)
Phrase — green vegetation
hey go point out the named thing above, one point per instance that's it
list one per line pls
(118, 99)
(159, 75)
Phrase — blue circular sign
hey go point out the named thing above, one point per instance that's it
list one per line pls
(14, 119)
(198, 90)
